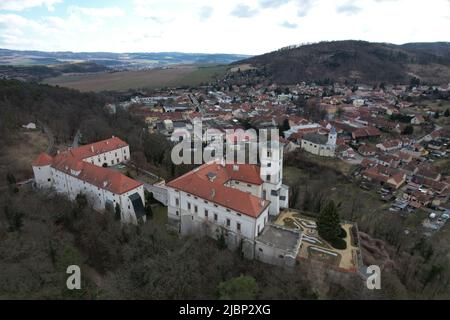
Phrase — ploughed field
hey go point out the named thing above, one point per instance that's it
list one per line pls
(186, 75)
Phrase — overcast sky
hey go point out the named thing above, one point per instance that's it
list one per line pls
(215, 26)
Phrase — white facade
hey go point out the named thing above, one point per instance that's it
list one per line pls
(185, 207)
(99, 196)
(326, 149)
(110, 158)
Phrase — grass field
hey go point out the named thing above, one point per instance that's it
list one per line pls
(187, 75)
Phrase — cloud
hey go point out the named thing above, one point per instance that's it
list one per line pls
(20, 5)
(97, 12)
(289, 25)
(244, 11)
(272, 3)
(349, 8)
(206, 12)
(304, 6)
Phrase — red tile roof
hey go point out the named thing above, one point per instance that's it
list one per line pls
(42, 160)
(207, 182)
(96, 148)
(71, 162)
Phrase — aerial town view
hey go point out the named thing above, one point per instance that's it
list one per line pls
(302, 155)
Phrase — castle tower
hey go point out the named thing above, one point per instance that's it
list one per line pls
(271, 161)
(42, 171)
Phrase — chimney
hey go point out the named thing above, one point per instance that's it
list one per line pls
(92, 148)
(235, 167)
(213, 193)
(262, 202)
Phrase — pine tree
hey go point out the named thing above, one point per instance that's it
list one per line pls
(328, 223)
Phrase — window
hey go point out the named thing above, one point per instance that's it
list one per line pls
(260, 250)
(125, 157)
(189, 206)
(48, 179)
(269, 154)
(215, 216)
(264, 194)
(228, 210)
(237, 182)
(178, 213)
(206, 213)
(238, 226)
(268, 177)
(249, 185)
(116, 154)
(215, 205)
(177, 202)
(104, 158)
(281, 256)
(269, 164)
(228, 222)
(205, 201)
(195, 209)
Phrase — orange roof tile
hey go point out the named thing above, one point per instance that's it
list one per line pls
(42, 160)
(103, 178)
(96, 148)
(207, 182)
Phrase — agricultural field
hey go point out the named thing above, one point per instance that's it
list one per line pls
(186, 75)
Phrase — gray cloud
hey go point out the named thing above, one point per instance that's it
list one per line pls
(205, 13)
(288, 25)
(243, 11)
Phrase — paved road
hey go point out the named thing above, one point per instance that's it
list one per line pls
(50, 137)
(76, 139)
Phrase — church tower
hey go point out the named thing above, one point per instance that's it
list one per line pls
(332, 137)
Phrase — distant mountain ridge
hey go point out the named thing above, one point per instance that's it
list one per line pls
(357, 61)
(115, 60)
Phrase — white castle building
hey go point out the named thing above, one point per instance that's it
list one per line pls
(236, 201)
(84, 171)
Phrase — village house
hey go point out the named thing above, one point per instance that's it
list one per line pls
(385, 176)
(84, 171)
(390, 145)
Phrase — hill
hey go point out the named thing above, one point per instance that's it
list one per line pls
(40, 72)
(137, 60)
(357, 61)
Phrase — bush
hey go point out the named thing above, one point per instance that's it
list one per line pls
(339, 244)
